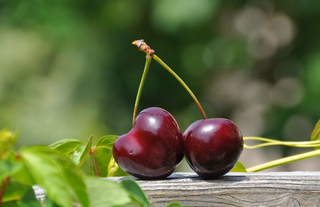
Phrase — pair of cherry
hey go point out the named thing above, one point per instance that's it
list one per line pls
(155, 146)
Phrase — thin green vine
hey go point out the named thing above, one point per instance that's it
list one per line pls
(284, 160)
(271, 142)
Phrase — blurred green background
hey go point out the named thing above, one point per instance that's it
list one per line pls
(68, 69)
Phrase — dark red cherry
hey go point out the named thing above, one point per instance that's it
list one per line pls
(154, 146)
(212, 146)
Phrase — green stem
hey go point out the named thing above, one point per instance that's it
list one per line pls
(143, 78)
(94, 163)
(156, 58)
(271, 142)
(284, 160)
(5, 182)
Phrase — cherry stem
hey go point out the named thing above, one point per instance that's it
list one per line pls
(284, 160)
(270, 142)
(143, 78)
(94, 163)
(163, 64)
(151, 53)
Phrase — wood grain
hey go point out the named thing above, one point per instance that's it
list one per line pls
(236, 189)
(233, 189)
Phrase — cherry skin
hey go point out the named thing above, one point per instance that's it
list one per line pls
(212, 146)
(153, 148)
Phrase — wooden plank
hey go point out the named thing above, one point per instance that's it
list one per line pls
(233, 189)
(236, 189)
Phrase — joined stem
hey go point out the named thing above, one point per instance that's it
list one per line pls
(151, 53)
(163, 64)
(143, 78)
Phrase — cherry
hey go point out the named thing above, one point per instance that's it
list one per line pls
(154, 146)
(212, 146)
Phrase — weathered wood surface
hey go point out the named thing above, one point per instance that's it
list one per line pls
(233, 189)
(236, 189)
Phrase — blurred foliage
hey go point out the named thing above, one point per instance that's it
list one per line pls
(68, 69)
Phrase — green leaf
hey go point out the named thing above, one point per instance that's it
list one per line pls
(135, 192)
(46, 173)
(103, 156)
(8, 168)
(56, 174)
(29, 199)
(74, 178)
(23, 175)
(107, 141)
(120, 173)
(239, 167)
(65, 146)
(174, 204)
(49, 203)
(10, 204)
(14, 190)
(74, 149)
(86, 151)
(315, 135)
(105, 193)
